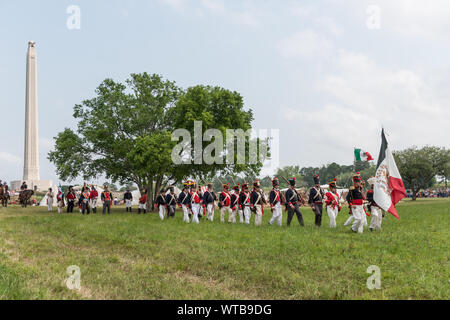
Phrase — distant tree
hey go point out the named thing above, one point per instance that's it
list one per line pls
(290, 172)
(419, 167)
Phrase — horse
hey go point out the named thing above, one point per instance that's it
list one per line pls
(24, 197)
(4, 196)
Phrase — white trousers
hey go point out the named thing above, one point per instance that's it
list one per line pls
(258, 218)
(60, 206)
(277, 215)
(93, 203)
(247, 214)
(332, 213)
(162, 212)
(377, 218)
(232, 218)
(127, 203)
(210, 212)
(185, 213)
(223, 210)
(241, 215)
(50, 204)
(360, 218)
(195, 212)
(349, 220)
(143, 206)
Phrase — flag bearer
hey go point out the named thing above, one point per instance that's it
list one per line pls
(184, 201)
(316, 195)
(244, 204)
(376, 212)
(225, 203)
(171, 203)
(275, 203)
(257, 202)
(333, 203)
(355, 199)
(293, 202)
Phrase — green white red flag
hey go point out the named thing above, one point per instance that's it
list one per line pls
(388, 187)
(361, 155)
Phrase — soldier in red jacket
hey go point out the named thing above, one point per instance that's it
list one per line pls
(93, 196)
(143, 202)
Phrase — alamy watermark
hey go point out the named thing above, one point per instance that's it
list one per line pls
(74, 20)
(373, 21)
(237, 147)
(74, 280)
(374, 281)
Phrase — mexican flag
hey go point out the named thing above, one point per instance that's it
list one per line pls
(361, 155)
(388, 187)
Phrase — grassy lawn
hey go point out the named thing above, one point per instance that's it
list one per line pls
(130, 256)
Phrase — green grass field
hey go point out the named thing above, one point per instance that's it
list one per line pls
(130, 256)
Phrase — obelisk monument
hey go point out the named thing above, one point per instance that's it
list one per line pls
(31, 153)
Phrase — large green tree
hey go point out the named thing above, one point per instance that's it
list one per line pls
(419, 167)
(125, 132)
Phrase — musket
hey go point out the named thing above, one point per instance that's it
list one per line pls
(300, 199)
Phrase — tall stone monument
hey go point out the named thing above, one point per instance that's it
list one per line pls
(31, 150)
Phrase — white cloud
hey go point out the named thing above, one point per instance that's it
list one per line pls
(304, 44)
(175, 4)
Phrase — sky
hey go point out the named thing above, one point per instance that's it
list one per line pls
(327, 73)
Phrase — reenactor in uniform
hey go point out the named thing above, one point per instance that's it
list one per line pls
(333, 203)
(70, 199)
(60, 200)
(244, 204)
(316, 195)
(128, 198)
(93, 196)
(234, 204)
(376, 212)
(208, 198)
(225, 203)
(143, 202)
(106, 198)
(161, 204)
(50, 199)
(84, 201)
(293, 202)
(184, 201)
(196, 203)
(355, 199)
(24, 186)
(275, 201)
(257, 201)
(171, 203)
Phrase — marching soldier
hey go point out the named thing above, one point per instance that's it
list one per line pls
(128, 199)
(106, 197)
(208, 202)
(275, 201)
(333, 203)
(376, 212)
(143, 202)
(184, 201)
(244, 204)
(234, 204)
(171, 203)
(196, 203)
(293, 202)
(70, 199)
(355, 199)
(93, 196)
(257, 202)
(316, 195)
(160, 203)
(225, 203)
